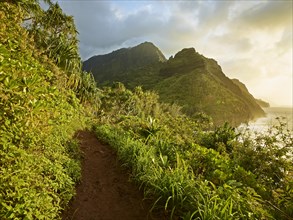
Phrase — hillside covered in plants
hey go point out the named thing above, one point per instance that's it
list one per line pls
(188, 167)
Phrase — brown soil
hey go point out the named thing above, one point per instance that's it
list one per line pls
(105, 192)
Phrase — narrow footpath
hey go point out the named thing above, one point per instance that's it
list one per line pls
(105, 192)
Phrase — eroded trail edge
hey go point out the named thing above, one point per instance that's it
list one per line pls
(105, 192)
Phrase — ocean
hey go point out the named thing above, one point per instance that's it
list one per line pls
(273, 115)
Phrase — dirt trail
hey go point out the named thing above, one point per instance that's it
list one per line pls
(105, 192)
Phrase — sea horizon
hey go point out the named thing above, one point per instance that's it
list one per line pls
(274, 115)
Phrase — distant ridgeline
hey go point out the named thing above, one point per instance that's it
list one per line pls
(188, 79)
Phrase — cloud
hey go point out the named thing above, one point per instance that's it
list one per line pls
(285, 44)
(103, 25)
(268, 15)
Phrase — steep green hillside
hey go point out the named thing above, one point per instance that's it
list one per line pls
(189, 79)
(40, 110)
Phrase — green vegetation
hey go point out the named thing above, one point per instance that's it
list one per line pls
(40, 110)
(188, 167)
(192, 171)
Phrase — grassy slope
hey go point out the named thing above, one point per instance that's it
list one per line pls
(39, 114)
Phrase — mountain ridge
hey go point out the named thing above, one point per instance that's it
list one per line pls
(188, 79)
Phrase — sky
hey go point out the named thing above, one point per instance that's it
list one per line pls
(251, 40)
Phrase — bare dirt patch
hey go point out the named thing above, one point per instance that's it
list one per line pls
(105, 192)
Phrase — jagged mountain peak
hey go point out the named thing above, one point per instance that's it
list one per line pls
(184, 61)
(145, 44)
(186, 52)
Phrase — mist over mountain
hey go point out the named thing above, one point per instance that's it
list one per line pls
(188, 79)
(262, 103)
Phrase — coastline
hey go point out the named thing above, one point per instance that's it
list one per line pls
(274, 115)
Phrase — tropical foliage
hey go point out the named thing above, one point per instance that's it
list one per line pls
(53, 32)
